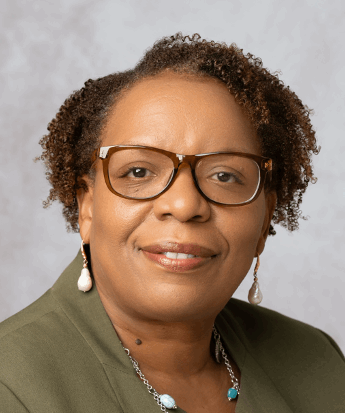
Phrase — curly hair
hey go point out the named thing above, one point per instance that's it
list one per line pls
(281, 121)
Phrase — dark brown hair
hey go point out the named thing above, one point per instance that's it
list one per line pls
(281, 120)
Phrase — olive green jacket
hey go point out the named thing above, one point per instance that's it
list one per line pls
(62, 355)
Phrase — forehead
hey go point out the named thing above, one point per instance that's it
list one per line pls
(182, 114)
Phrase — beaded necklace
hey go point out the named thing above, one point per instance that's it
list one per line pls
(165, 401)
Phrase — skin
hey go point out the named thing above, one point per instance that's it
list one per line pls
(173, 313)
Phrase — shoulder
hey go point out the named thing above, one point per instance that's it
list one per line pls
(299, 362)
(262, 329)
(32, 337)
(45, 316)
(40, 333)
(47, 363)
(29, 343)
(28, 316)
(35, 327)
(37, 340)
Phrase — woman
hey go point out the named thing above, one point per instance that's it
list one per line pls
(173, 173)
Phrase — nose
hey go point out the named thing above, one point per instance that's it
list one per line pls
(182, 200)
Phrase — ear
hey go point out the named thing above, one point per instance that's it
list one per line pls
(85, 207)
(271, 200)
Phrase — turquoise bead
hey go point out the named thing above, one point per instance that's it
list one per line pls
(167, 401)
(232, 393)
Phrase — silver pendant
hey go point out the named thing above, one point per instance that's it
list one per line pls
(217, 350)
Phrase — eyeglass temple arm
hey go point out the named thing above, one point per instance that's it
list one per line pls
(99, 153)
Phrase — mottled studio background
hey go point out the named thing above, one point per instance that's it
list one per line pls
(49, 48)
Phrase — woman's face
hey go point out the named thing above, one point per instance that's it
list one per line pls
(184, 115)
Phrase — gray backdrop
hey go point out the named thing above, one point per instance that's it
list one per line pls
(48, 49)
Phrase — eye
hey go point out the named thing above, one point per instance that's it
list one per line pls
(227, 177)
(137, 173)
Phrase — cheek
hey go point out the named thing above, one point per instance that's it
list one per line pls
(242, 229)
(114, 219)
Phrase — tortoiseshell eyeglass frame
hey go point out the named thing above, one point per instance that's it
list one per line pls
(105, 152)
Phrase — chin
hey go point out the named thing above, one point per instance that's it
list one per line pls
(180, 307)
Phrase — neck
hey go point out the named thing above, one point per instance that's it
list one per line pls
(171, 348)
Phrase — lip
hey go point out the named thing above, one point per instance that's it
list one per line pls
(154, 253)
(194, 249)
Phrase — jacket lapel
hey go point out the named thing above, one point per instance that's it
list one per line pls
(258, 394)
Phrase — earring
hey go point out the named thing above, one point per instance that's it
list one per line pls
(255, 295)
(84, 281)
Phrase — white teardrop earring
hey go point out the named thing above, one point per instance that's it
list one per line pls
(84, 281)
(255, 295)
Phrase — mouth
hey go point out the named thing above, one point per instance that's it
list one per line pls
(178, 257)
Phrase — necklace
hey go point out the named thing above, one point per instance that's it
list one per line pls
(165, 401)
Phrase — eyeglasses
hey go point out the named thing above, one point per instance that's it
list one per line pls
(143, 172)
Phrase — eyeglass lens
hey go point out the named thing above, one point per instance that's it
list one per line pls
(140, 173)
